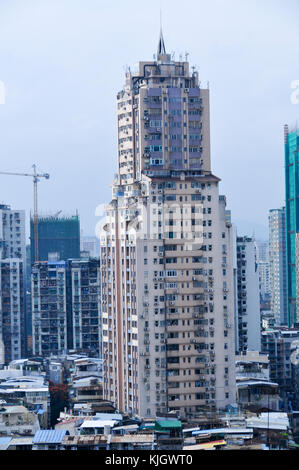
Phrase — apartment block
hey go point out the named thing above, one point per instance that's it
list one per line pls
(166, 252)
(262, 257)
(91, 245)
(249, 320)
(278, 266)
(12, 318)
(12, 233)
(83, 305)
(49, 308)
(66, 306)
(279, 344)
(12, 282)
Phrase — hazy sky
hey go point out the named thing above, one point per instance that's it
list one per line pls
(63, 62)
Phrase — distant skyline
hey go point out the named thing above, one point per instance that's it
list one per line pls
(63, 63)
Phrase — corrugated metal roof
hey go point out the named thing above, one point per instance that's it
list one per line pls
(168, 424)
(49, 436)
(138, 438)
(205, 446)
(21, 441)
(223, 431)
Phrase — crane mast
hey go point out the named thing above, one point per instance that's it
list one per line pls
(36, 178)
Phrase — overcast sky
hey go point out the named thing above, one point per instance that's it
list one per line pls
(63, 62)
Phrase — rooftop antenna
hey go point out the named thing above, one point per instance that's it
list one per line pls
(161, 46)
(186, 56)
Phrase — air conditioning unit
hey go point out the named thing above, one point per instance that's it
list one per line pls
(187, 90)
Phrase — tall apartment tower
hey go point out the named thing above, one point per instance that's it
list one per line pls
(292, 216)
(166, 252)
(278, 266)
(249, 321)
(12, 233)
(12, 318)
(83, 305)
(12, 277)
(262, 256)
(49, 311)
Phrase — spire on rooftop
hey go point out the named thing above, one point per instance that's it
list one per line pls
(161, 44)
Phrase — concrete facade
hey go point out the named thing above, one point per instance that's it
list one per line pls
(166, 253)
(249, 321)
(66, 306)
(278, 267)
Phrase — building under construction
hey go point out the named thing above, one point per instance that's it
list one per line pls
(56, 234)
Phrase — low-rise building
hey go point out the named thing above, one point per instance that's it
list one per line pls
(86, 390)
(17, 420)
(278, 344)
(258, 395)
(29, 391)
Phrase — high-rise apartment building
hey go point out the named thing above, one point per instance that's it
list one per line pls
(292, 216)
(66, 306)
(166, 252)
(83, 305)
(56, 234)
(249, 319)
(49, 311)
(262, 256)
(278, 266)
(262, 250)
(12, 285)
(12, 318)
(12, 233)
(91, 245)
(279, 344)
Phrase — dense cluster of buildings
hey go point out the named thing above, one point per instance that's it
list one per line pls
(171, 318)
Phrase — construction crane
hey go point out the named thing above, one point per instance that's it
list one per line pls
(36, 178)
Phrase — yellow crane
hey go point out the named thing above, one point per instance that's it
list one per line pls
(36, 178)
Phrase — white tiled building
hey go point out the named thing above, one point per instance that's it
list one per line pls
(167, 298)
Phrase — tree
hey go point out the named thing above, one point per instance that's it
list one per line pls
(59, 399)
